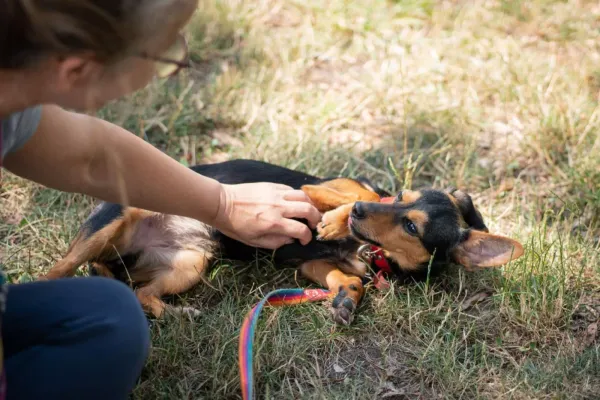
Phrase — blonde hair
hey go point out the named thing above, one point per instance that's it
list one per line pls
(30, 29)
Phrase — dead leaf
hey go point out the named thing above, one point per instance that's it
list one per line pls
(476, 298)
(389, 390)
(390, 371)
(338, 369)
(590, 334)
(14, 219)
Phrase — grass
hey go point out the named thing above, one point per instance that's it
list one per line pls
(496, 97)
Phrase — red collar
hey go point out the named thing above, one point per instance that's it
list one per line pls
(374, 255)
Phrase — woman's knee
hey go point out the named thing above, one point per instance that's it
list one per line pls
(122, 317)
(73, 310)
(96, 322)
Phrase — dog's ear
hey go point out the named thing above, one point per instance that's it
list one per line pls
(483, 250)
(373, 187)
(326, 199)
(337, 192)
(470, 214)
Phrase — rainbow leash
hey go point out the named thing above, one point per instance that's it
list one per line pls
(280, 297)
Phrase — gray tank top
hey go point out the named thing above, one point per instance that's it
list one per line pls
(17, 129)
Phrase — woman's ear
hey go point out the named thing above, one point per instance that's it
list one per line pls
(76, 71)
(484, 250)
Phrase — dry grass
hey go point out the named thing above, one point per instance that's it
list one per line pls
(497, 97)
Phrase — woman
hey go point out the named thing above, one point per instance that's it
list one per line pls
(88, 338)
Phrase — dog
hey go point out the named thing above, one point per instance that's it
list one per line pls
(414, 231)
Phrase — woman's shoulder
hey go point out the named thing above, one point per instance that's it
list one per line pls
(17, 128)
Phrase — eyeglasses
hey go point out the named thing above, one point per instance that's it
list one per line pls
(173, 60)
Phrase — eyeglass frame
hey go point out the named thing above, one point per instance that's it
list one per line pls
(180, 64)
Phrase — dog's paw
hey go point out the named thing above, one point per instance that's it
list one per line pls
(330, 232)
(334, 224)
(343, 311)
(345, 302)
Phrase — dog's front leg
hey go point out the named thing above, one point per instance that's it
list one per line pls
(348, 289)
(334, 224)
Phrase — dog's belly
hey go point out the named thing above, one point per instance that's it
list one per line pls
(154, 244)
(162, 231)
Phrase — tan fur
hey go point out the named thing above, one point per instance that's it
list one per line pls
(410, 196)
(484, 250)
(354, 267)
(405, 249)
(107, 242)
(102, 270)
(335, 193)
(419, 218)
(334, 224)
(327, 274)
(186, 269)
(174, 254)
(402, 247)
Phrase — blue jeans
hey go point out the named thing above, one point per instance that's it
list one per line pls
(75, 338)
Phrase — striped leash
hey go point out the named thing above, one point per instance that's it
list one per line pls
(284, 297)
(279, 297)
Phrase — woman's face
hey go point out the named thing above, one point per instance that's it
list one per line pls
(81, 83)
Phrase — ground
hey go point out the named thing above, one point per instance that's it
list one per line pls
(498, 98)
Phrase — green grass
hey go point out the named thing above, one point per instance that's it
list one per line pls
(499, 98)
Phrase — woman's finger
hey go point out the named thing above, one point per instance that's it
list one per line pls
(297, 195)
(281, 186)
(272, 242)
(298, 209)
(294, 230)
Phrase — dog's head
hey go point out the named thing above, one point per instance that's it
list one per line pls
(419, 225)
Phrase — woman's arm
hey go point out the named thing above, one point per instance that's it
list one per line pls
(82, 154)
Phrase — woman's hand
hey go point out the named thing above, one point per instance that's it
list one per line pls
(258, 214)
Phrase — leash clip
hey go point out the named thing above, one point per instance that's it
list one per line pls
(365, 254)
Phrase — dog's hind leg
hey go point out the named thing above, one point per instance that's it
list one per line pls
(349, 289)
(104, 243)
(187, 269)
(100, 269)
(83, 248)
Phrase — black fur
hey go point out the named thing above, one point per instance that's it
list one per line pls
(249, 171)
(101, 216)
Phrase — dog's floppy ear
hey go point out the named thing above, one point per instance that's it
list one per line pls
(470, 214)
(325, 198)
(484, 250)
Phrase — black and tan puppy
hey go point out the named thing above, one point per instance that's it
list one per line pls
(164, 254)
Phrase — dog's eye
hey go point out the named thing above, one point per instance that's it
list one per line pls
(411, 227)
(398, 198)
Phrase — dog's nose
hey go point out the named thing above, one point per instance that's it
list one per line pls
(358, 211)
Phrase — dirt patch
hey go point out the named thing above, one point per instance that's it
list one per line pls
(386, 364)
(586, 321)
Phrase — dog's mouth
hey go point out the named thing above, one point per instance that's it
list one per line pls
(359, 235)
